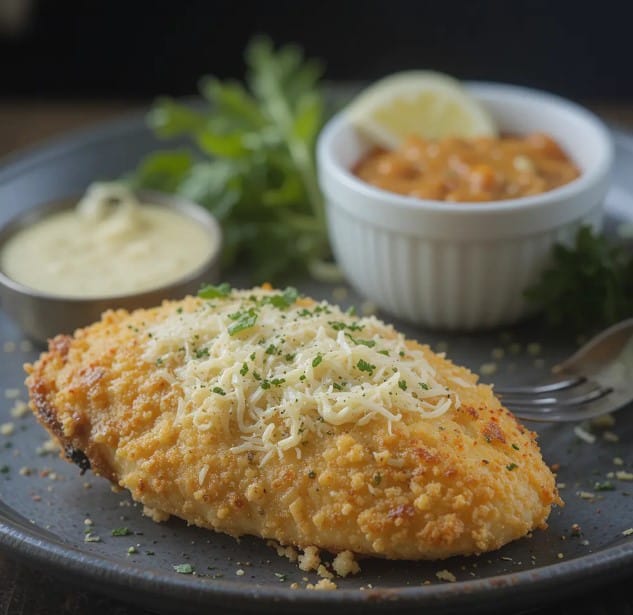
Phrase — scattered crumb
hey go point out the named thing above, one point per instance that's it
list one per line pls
(48, 447)
(584, 435)
(586, 495)
(446, 575)
(515, 348)
(26, 346)
(323, 585)
(561, 485)
(609, 436)
(498, 353)
(92, 538)
(539, 363)
(288, 552)
(534, 349)
(12, 393)
(618, 461)
(345, 563)
(560, 556)
(7, 429)
(8, 347)
(88, 521)
(602, 422)
(294, 585)
(623, 475)
(340, 293)
(310, 559)
(239, 572)
(487, 369)
(19, 409)
(628, 532)
(158, 516)
(324, 573)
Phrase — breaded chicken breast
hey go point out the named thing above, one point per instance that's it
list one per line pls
(258, 412)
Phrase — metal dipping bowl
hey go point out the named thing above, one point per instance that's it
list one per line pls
(42, 315)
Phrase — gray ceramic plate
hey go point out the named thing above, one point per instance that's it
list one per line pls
(45, 504)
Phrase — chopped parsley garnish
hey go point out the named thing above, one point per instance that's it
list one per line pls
(385, 352)
(272, 349)
(4, 469)
(368, 343)
(311, 474)
(160, 362)
(511, 466)
(265, 384)
(401, 353)
(183, 568)
(337, 386)
(364, 366)
(214, 292)
(289, 357)
(201, 353)
(604, 486)
(285, 300)
(219, 390)
(92, 538)
(424, 385)
(338, 325)
(402, 384)
(245, 320)
(515, 447)
(317, 360)
(121, 531)
(244, 369)
(256, 376)
(377, 479)
(277, 381)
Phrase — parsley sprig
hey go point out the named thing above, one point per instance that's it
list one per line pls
(253, 162)
(588, 285)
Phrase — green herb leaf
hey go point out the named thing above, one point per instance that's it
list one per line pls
(214, 292)
(258, 171)
(317, 360)
(183, 568)
(244, 321)
(219, 390)
(587, 286)
(402, 384)
(121, 531)
(364, 366)
(368, 343)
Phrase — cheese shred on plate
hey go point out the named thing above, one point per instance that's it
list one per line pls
(285, 369)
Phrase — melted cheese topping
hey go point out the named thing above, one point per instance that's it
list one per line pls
(283, 369)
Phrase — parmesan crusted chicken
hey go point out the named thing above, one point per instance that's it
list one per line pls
(260, 412)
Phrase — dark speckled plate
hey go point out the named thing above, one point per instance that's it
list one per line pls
(62, 521)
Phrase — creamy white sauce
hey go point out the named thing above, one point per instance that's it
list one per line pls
(109, 245)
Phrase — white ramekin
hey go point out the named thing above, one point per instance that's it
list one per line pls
(454, 265)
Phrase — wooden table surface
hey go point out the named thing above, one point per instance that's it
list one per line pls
(26, 591)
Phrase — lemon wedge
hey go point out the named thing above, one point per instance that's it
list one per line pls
(424, 103)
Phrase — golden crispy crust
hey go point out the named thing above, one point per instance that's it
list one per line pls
(466, 482)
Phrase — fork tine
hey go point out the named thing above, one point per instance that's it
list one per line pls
(578, 400)
(551, 387)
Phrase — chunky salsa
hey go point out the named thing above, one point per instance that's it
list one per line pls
(470, 170)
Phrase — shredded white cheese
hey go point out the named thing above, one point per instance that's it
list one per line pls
(282, 371)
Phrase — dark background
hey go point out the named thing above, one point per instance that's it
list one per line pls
(136, 49)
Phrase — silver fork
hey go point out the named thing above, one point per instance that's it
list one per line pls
(596, 380)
